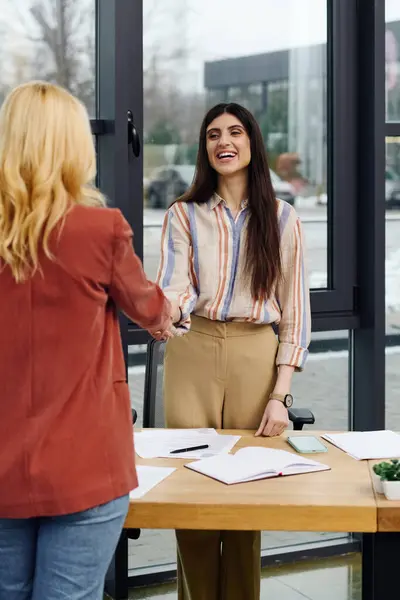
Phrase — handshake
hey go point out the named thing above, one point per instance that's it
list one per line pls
(172, 331)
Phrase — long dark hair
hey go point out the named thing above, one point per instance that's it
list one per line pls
(263, 258)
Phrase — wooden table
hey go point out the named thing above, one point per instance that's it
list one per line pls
(336, 500)
(341, 499)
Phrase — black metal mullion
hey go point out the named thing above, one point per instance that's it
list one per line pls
(102, 126)
(129, 97)
(329, 301)
(117, 582)
(119, 90)
(334, 321)
(367, 382)
(379, 557)
(129, 89)
(342, 112)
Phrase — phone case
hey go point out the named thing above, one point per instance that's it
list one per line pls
(321, 448)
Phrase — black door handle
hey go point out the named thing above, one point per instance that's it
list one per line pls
(133, 135)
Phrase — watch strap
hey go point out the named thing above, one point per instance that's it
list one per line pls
(280, 397)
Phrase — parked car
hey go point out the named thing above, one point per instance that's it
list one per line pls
(169, 182)
(392, 188)
(283, 189)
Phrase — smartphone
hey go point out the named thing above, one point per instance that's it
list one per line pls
(306, 444)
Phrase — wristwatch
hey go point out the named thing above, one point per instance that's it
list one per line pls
(286, 399)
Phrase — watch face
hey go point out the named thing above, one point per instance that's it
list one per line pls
(288, 400)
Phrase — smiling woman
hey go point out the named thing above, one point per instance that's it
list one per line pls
(228, 145)
(230, 139)
(232, 262)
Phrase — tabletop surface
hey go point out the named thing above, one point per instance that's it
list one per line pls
(341, 499)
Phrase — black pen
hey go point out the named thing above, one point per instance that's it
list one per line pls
(192, 449)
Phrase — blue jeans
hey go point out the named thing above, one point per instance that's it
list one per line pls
(60, 558)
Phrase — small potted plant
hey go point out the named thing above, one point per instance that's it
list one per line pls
(389, 475)
(377, 472)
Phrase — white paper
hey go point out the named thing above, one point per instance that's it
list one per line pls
(158, 443)
(252, 463)
(148, 478)
(367, 445)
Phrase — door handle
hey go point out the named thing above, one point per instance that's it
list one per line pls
(133, 136)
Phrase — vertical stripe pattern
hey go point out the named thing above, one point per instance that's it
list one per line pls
(202, 254)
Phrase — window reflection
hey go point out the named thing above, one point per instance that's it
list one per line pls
(274, 62)
(52, 40)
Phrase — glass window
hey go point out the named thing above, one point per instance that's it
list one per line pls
(52, 40)
(392, 202)
(272, 59)
(216, 96)
(249, 96)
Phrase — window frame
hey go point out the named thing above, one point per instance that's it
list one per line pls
(336, 307)
(119, 89)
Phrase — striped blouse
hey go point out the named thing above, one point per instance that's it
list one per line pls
(202, 262)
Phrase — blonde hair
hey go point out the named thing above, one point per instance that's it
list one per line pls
(47, 164)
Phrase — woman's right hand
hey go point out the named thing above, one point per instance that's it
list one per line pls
(166, 335)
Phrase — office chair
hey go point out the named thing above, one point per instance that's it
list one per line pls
(133, 534)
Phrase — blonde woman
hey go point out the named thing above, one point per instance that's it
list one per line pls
(66, 264)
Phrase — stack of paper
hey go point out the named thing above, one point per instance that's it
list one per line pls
(148, 478)
(252, 463)
(367, 445)
(159, 443)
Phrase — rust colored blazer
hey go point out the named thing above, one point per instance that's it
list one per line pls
(66, 439)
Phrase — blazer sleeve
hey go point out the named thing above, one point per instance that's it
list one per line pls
(140, 299)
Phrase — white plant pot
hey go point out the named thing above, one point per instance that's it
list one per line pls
(391, 489)
(377, 483)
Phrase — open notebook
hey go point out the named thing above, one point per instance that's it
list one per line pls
(251, 463)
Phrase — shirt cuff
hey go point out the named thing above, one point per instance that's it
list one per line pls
(183, 325)
(291, 355)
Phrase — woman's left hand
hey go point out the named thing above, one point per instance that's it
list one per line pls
(275, 419)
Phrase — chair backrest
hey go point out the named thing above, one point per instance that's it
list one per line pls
(153, 410)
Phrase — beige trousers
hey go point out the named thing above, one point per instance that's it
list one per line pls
(219, 375)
